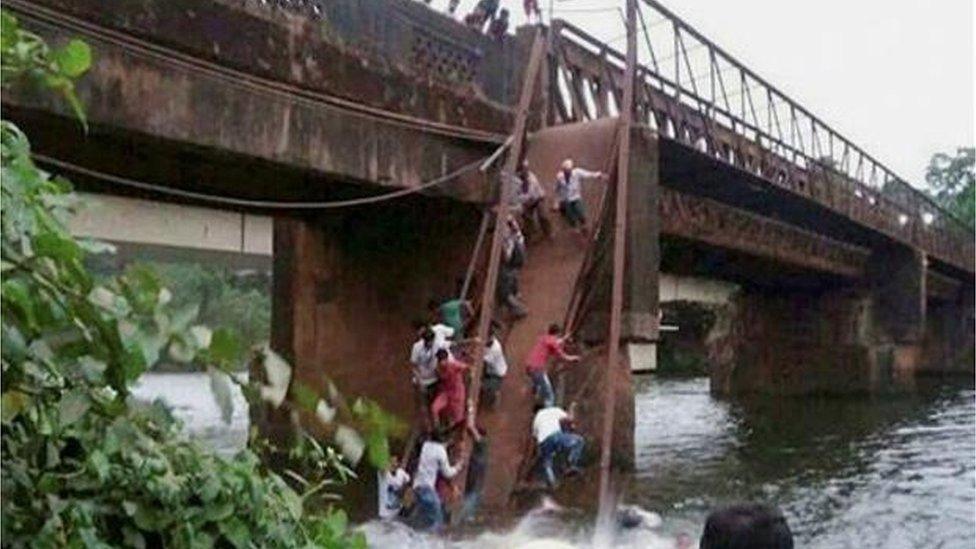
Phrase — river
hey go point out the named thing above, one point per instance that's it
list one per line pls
(889, 471)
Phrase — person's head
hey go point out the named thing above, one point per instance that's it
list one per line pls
(441, 355)
(745, 526)
(538, 406)
(567, 165)
(418, 325)
(437, 435)
(433, 305)
(503, 14)
(427, 336)
(394, 462)
(554, 329)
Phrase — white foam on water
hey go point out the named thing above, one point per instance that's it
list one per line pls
(548, 526)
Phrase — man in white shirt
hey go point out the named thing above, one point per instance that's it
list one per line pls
(495, 368)
(423, 359)
(391, 483)
(550, 428)
(432, 462)
(570, 194)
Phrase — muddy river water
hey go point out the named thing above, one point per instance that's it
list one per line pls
(887, 471)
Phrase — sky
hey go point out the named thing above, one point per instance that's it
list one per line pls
(894, 76)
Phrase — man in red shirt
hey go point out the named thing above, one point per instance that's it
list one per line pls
(547, 346)
(451, 392)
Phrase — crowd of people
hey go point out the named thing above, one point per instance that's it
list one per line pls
(487, 16)
(440, 361)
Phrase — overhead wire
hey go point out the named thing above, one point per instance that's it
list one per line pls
(257, 203)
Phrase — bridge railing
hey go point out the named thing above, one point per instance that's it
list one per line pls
(692, 91)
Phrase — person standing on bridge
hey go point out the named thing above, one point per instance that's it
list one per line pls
(570, 194)
(548, 346)
(499, 26)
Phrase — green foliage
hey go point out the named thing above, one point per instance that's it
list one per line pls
(27, 59)
(220, 297)
(83, 463)
(952, 182)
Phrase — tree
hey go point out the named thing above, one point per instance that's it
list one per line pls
(81, 462)
(952, 181)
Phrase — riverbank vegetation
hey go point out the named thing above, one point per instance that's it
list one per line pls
(83, 463)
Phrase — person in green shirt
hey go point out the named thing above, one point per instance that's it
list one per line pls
(452, 312)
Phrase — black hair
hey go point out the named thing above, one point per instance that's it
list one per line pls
(433, 304)
(418, 324)
(554, 329)
(441, 353)
(746, 525)
(427, 335)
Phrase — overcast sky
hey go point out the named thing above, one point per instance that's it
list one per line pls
(894, 76)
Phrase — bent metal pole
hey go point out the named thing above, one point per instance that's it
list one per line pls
(619, 236)
(495, 253)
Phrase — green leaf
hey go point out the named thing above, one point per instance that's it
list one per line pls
(292, 502)
(74, 58)
(225, 346)
(8, 31)
(57, 246)
(11, 404)
(99, 464)
(72, 407)
(220, 387)
(236, 532)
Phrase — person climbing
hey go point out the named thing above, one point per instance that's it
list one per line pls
(529, 197)
(452, 312)
(433, 463)
(552, 429)
(513, 245)
(499, 26)
(570, 195)
(423, 358)
(443, 334)
(449, 401)
(495, 367)
(452, 6)
(513, 257)
(391, 483)
(550, 345)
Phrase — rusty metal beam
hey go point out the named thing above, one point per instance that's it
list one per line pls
(619, 257)
(874, 198)
(716, 224)
(501, 208)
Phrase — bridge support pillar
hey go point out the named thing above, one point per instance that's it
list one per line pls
(348, 284)
(639, 321)
(896, 286)
(862, 338)
(949, 334)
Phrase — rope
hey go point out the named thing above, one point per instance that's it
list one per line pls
(249, 203)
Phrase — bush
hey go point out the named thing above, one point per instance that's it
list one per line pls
(82, 463)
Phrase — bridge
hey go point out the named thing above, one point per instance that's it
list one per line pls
(376, 134)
